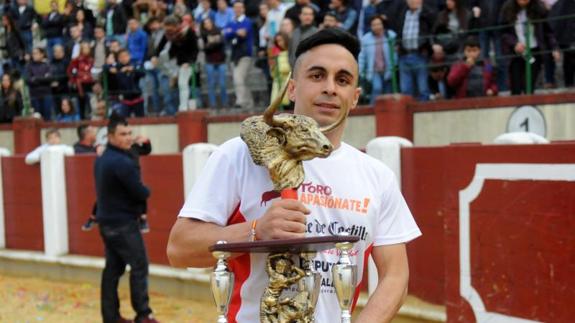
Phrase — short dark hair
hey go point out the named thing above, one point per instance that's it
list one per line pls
(172, 20)
(471, 41)
(81, 131)
(379, 17)
(115, 121)
(335, 36)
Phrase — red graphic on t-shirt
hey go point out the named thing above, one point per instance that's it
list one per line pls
(268, 196)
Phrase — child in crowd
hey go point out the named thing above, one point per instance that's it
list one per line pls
(127, 79)
(472, 77)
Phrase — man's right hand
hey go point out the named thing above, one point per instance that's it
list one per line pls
(285, 219)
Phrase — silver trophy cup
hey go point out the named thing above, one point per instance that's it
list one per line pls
(345, 280)
(222, 284)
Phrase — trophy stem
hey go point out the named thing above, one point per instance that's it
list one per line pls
(222, 284)
(345, 280)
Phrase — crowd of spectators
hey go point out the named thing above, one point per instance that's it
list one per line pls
(145, 57)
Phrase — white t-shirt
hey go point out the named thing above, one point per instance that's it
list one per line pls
(348, 191)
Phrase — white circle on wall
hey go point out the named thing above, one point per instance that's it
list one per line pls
(527, 118)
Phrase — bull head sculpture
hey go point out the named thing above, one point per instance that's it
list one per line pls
(281, 142)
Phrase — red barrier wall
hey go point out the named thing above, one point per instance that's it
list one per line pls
(81, 194)
(521, 232)
(22, 204)
(161, 173)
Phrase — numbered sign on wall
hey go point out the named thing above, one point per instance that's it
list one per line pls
(527, 118)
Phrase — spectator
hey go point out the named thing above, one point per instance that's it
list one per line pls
(127, 78)
(96, 97)
(80, 5)
(262, 45)
(566, 40)
(160, 70)
(99, 48)
(39, 77)
(121, 199)
(53, 138)
(345, 14)
(240, 35)
(25, 17)
(287, 26)
(305, 29)
(10, 100)
(59, 65)
(184, 48)
(437, 81)
(330, 21)
(116, 21)
(369, 11)
(67, 111)
(450, 30)
(137, 43)
(80, 76)
(294, 13)
(280, 67)
(224, 15)
(146, 9)
(204, 11)
(86, 27)
(390, 9)
(375, 58)
(215, 62)
(14, 45)
(472, 77)
(487, 13)
(415, 27)
(53, 26)
(515, 14)
(86, 140)
(100, 111)
(276, 13)
(73, 44)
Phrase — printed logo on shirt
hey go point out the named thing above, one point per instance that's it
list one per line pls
(268, 196)
(321, 195)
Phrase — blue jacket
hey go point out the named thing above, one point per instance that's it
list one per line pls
(367, 55)
(241, 46)
(120, 192)
(138, 46)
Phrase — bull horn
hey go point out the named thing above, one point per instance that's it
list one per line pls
(271, 109)
(343, 113)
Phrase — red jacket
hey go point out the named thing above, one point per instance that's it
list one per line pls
(458, 78)
(80, 70)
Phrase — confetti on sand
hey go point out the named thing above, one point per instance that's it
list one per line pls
(24, 299)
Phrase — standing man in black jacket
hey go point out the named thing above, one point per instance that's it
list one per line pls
(121, 196)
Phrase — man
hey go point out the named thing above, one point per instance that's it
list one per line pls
(329, 21)
(276, 13)
(116, 21)
(294, 13)
(304, 30)
(240, 34)
(86, 140)
(120, 199)
(345, 14)
(375, 58)
(137, 42)
(26, 20)
(226, 198)
(53, 24)
(224, 15)
(416, 23)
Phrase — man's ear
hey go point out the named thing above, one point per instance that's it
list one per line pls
(356, 95)
(291, 90)
(278, 133)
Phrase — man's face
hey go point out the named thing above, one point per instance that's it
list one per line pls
(523, 3)
(58, 52)
(90, 135)
(54, 5)
(306, 16)
(53, 139)
(472, 52)
(329, 22)
(133, 25)
(22, 2)
(238, 9)
(377, 27)
(75, 33)
(122, 137)
(335, 4)
(222, 5)
(124, 58)
(414, 4)
(99, 33)
(325, 80)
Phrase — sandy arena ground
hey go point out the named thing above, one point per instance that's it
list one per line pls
(27, 300)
